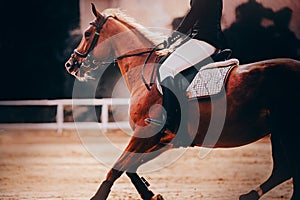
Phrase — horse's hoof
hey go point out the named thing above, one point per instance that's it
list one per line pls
(252, 195)
(157, 197)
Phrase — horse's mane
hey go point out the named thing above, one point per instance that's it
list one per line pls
(154, 37)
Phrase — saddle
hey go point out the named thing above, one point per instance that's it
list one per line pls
(194, 79)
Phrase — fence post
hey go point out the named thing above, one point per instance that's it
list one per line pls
(60, 117)
(104, 117)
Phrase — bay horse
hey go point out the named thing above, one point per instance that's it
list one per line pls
(260, 98)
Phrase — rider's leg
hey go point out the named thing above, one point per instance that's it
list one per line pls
(170, 103)
(185, 56)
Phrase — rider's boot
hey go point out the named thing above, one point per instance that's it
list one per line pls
(172, 107)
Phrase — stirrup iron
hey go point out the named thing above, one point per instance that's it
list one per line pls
(153, 121)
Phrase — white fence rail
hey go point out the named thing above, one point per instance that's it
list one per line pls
(60, 125)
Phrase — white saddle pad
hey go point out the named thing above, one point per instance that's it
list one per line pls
(210, 79)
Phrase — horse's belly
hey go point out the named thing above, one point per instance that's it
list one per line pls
(230, 136)
(242, 134)
(222, 129)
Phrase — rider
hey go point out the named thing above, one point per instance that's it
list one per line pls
(204, 21)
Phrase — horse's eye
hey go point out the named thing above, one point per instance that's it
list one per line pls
(87, 34)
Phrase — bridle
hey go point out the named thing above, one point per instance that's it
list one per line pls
(95, 41)
(93, 44)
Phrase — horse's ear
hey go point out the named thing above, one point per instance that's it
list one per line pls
(95, 11)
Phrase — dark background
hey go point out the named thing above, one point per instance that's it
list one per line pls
(37, 38)
(35, 42)
(33, 45)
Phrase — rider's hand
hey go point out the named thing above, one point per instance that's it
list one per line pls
(172, 39)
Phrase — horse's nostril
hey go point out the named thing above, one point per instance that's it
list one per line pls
(68, 64)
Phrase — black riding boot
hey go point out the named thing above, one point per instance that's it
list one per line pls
(172, 108)
(170, 103)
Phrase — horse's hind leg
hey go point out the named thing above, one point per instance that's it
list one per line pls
(280, 172)
(290, 145)
(286, 128)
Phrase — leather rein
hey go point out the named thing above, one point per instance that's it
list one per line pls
(94, 42)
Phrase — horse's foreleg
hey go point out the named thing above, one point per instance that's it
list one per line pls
(106, 185)
(138, 152)
(141, 186)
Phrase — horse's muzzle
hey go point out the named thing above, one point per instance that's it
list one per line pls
(72, 65)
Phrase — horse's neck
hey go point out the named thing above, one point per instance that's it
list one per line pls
(132, 69)
(129, 41)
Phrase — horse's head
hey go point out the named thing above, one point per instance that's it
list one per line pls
(83, 57)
